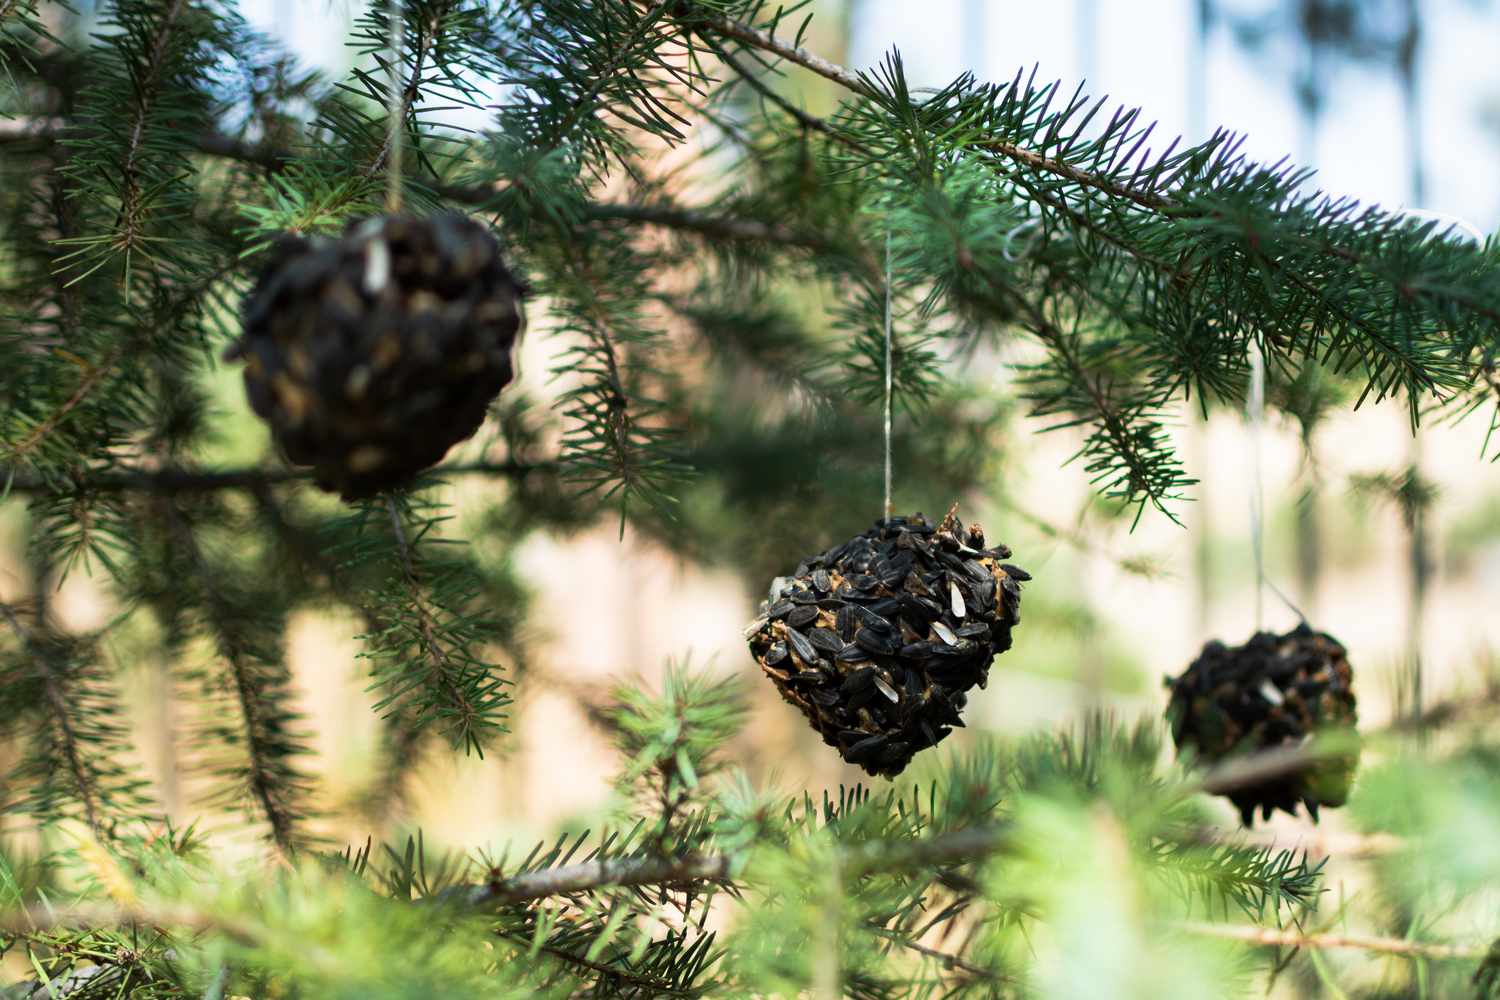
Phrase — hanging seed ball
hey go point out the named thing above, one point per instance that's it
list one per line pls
(373, 354)
(1274, 691)
(878, 639)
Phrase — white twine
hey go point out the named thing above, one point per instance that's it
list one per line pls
(1255, 412)
(395, 108)
(888, 379)
(1457, 222)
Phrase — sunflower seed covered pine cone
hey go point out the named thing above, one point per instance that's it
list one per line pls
(1274, 691)
(372, 354)
(878, 640)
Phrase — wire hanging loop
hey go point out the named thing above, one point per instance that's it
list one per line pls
(889, 381)
(1255, 413)
(395, 106)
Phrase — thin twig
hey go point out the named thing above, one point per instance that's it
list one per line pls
(442, 672)
(591, 875)
(147, 94)
(232, 646)
(181, 481)
(658, 987)
(52, 686)
(668, 216)
(91, 379)
(950, 961)
(1318, 843)
(1270, 937)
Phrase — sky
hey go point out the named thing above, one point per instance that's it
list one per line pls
(1139, 53)
(1141, 56)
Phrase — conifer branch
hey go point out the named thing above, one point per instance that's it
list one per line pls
(174, 481)
(957, 847)
(93, 375)
(1270, 937)
(410, 92)
(951, 961)
(665, 215)
(145, 93)
(312, 555)
(83, 778)
(269, 781)
(432, 649)
(590, 876)
(613, 974)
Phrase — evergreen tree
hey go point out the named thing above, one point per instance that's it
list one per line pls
(724, 314)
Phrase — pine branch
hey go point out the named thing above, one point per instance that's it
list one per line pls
(958, 847)
(613, 974)
(94, 374)
(410, 92)
(313, 560)
(272, 781)
(175, 481)
(83, 777)
(1273, 938)
(146, 90)
(590, 876)
(665, 215)
(432, 649)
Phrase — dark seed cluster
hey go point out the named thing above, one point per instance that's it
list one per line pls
(1275, 690)
(373, 354)
(878, 639)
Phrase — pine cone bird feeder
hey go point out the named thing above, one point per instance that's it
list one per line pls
(878, 640)
(373, 354)
(1274, 691)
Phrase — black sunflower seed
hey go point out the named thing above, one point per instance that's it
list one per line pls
(858, 681)
(804, 649)
(865, 749)
(802, 616)
(880, 643)
(825, 640)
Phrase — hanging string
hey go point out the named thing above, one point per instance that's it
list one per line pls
(1255, 413)
(1455, 222)
(889, 510)
(395, 108)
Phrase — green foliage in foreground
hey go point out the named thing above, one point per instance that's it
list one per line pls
(1051, 867)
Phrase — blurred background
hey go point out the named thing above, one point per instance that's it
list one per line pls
(1389, 541)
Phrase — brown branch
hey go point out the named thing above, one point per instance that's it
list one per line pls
(233, 648)
(1268, 937)
(432, 648)
(667, 216)
(767, 42)
(91, 379)
(52, 686)
(958, 847)
(658, 987)
(949, 961)
(591, 875)
(128, 206)
(180, 481)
